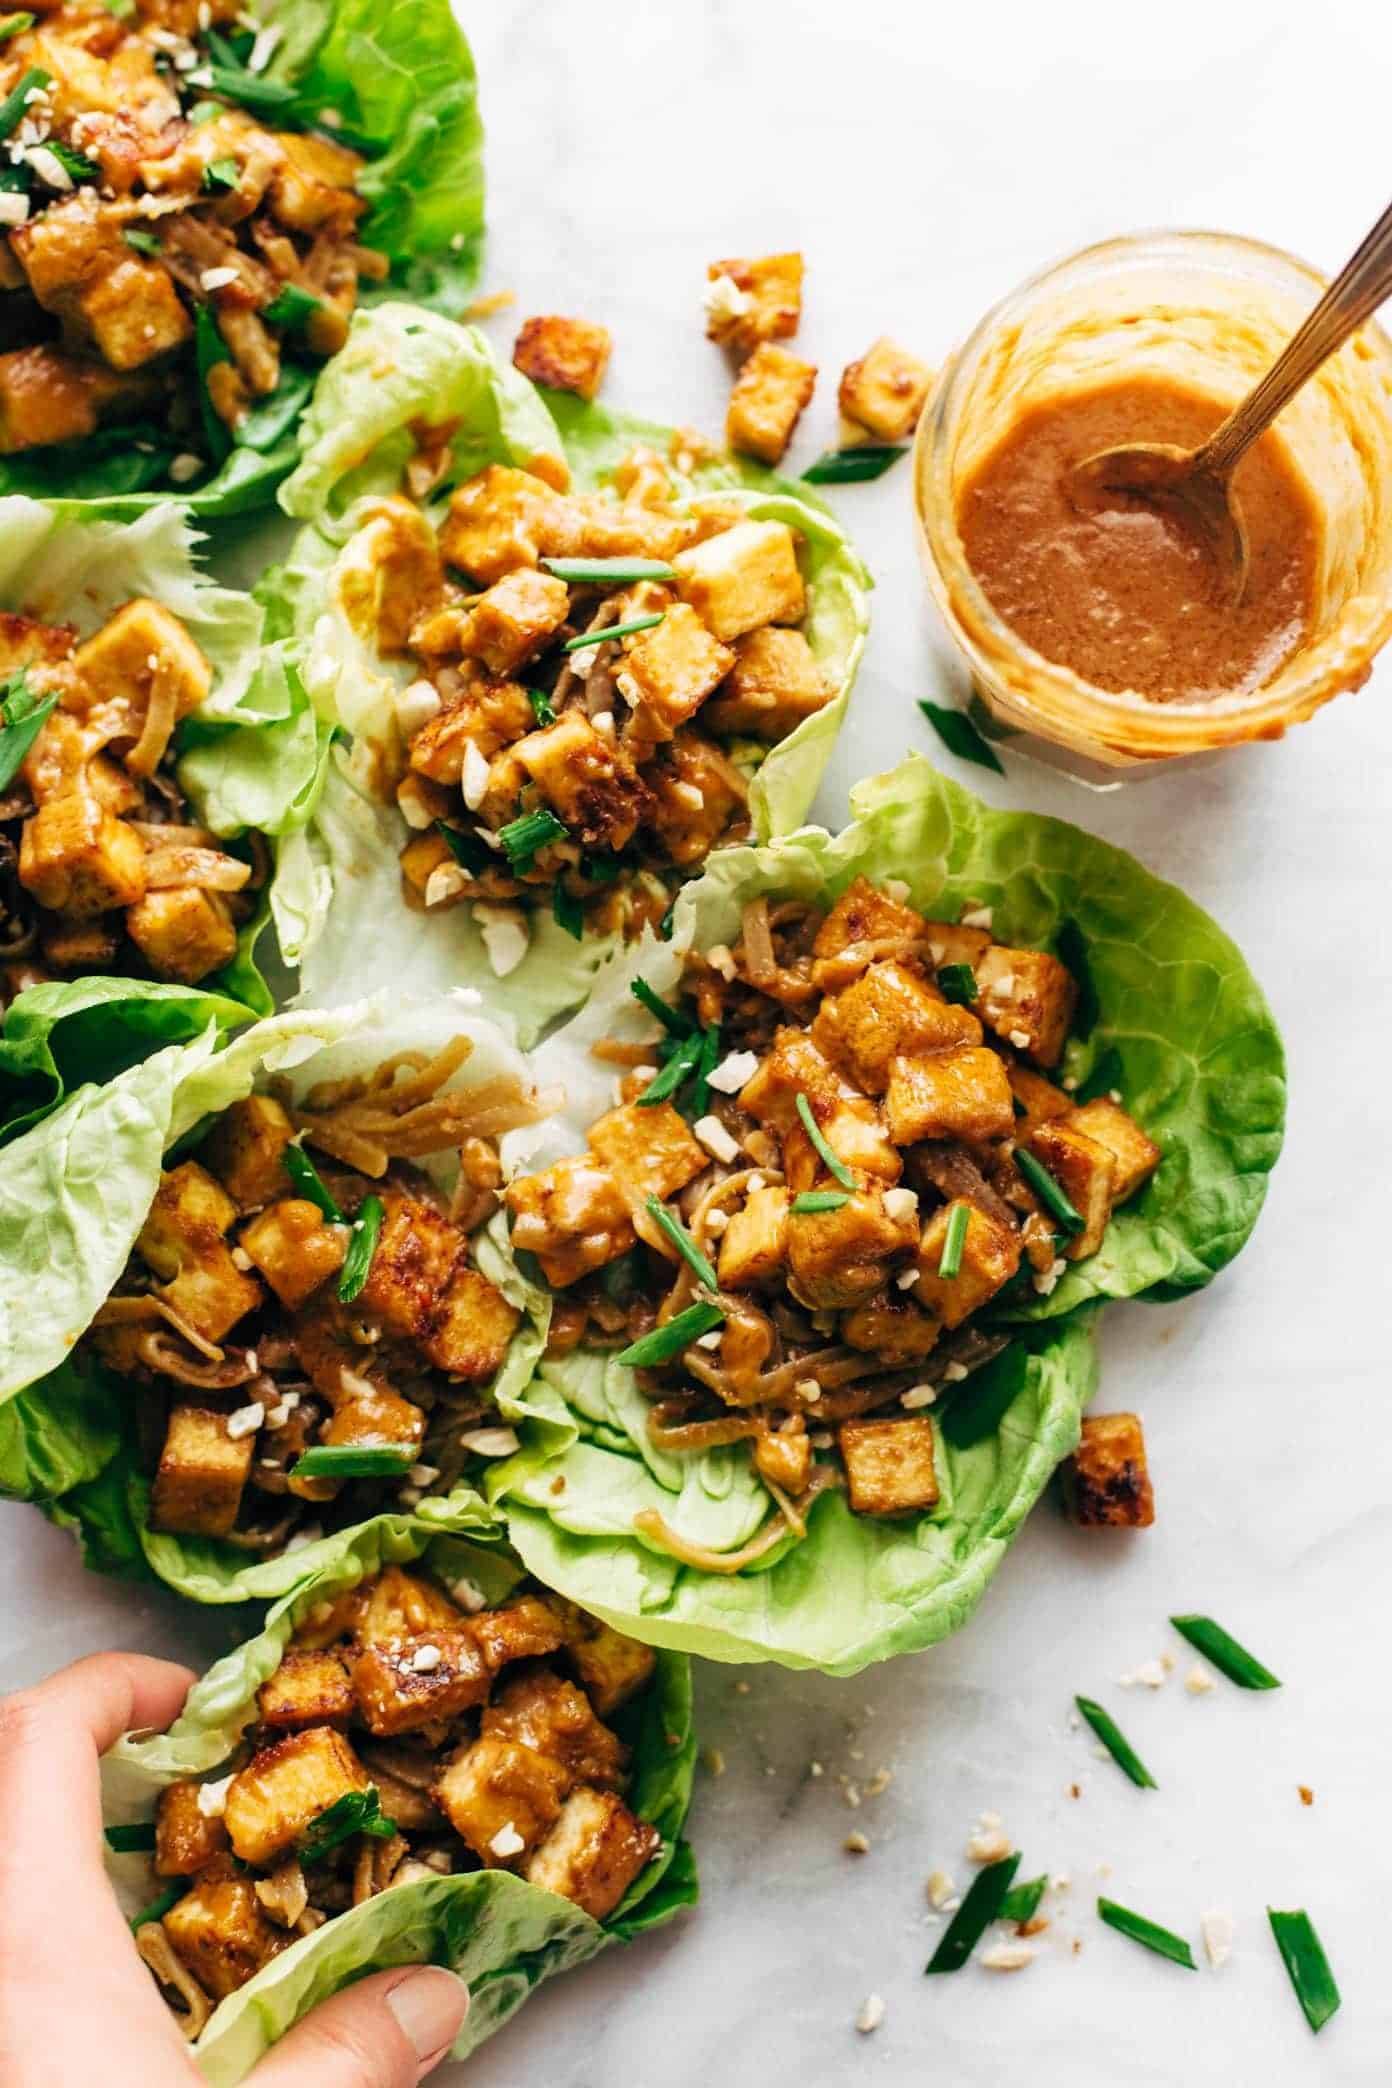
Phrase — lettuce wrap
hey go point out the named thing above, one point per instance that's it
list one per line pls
(1170, 1018)
(341, 880)
(499, 1933)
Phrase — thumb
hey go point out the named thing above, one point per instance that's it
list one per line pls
(385, 2032)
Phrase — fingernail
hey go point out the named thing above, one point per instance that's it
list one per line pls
(430, 2004)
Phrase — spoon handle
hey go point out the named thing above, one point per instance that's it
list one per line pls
(1353, 296)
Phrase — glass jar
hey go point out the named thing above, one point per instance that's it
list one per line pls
(1210, 311)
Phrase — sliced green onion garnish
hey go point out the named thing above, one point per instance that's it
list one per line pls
(957, 983)
(1230, 1659)
(15, 25)
(618, 630)
(1021, 1903)
(468, 851)
(543, 710)
(1164, 1942)
(22, 716)
(672, 1019)
(310, 1183)
(234, 83)
(13, 106)
(698, 1101)
(812, 1200)
(1303, 1955)
(523, 837)
(291, 308)
(982, 1905)
(958, 734)
(950, 1263)
(367, 1227)
(669, 1340)
(1054, 1199)
(836, 1168)
(158, 1908)
(683, 1062)
(221, 174)
(356, 1812)
(1116, 1743)
(139, 1835)
(74, 164)
(209, 349)
(568, 912)
(143, 242)
(354, 1461)
(847, 467)
(682, 1241)
(607, 572)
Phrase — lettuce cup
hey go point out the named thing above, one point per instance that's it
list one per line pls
(198, 199)
(572, 655)
(421, 1759)
(276, 1298)
(864, 1149)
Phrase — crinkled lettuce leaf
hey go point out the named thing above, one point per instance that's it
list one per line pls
(501, 1935)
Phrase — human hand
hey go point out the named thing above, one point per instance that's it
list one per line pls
(76, 2003)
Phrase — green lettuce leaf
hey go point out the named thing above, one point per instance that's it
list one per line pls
(498, 1933)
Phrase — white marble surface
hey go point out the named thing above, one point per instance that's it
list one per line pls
(925, 158)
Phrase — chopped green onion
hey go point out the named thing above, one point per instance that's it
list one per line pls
(847, 467)
(122, 9)
(683, 1062)
(958, 734)
(522, 837)
(310, 1183)
(981, 1906)
(669, 1340)
(813, 1200)
(672, 1019)
(203, 112)
(291, 308)
(15, 25)
(543, 710)
(698, 1101)
(1306, 1964)
(139, 1835)
(1222, 1649)
(367, 1228)
(1021, 1903)
(608, 572)
(1116, 1743)
(1053, 1197)
(143, 242)
(950, 1263)
(837, 1168)
(22, 716)
(356, 1812)
(221, 174)
(1164, 1942)
(74, 164)
(209, 350)
(682, 1241)
(13, 106)
(568, 912)
(604, 869)
(618, 630)
(231, 79)
(957, 983)
(354, 1461)
(468, 851)
(159, 1907)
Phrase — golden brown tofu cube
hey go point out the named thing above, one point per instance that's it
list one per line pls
(141, 641)
(1037, 1100)
(774, 683)
(383, 1419)
(573, 1217)
(489, 715)
(950, 1094)
(201, 1475)
(542, 1711)
(184, 934)
(699, 797)
(295, 1248)
(950, 943)
(313, 187)
(838, 1258)
(1135, 1155)
(183, 1241)
(863, 916)
(134, 313)
(1085, 1171)
(186, 1837)
(1027, 997)
(308, 1689)
(650, 1150)
(413, 1681)
(506, 518)
(514, 619)
(1106, 1483)
(76, 859)
(246, 1151)
(784, 1458)
(754, 300)
(521, 1630)
(220, 1933)
(400, 1605)
(472, 1329)
(791, 1067)
(668, 672)
(853, 1128)
(46, 396)
(394, 576)
(767, 402)
(501, 1798)
(890, 1011)
(589, 784)
(594, 1852)
(565, 354)
(79, 946)
(417, 1252)
(611, 1667)
(891, 1326)
(743, 577)
(990, 1257)
(283, 1789)
(884, 392)
(754, 1245)
(889, 1465)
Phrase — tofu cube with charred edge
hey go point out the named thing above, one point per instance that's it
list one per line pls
(416, 1255)
(79, 946)
(950, 943)
(784, 1458)
(514, 619)
(115, 662)
(838, 1258)
(77, 859)
(889, 1465)
(295, 1248)
(521, 1630)
(282, 1791)
(793, 1066)
(754, 1245)
(611, 1668)
(766, 307)
(697, 794)
(861, 917)
(1106, 1484)
(650, 1150)
(573, 1217)
(1085, 1171)
(1037, 1100)
(46, 396)
(853, 1129)
(221, 1934)
(668, 672)
(246, 1151)
(398, 1605)
(892, 1327)
(186, 1838)
(594, 1852)
(309, 1688)
(774, 683)
(506, 518)
(563, 354)
(412, 1682)
(891, 1010)
(990, 1257)
(591, 786)
(742, 578)
(767, 402)
(1136, 1157)
(472, 1328)
(183, 934)
(183, 1241)
(1027, 997)
(950, 1094)
(551, 1716)
(376, 1418)
(884, 391)
(134, 313)
(201, 1474)
(491, 715)
(495, 1785)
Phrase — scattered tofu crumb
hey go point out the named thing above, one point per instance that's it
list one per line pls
(940, 1889)
(872, 2014)
(1008, 1957)
(1153, 1674)
(1307, 1796)
(1217, 1929)
(856, 1845)
(714, 1760)
(1198, 1681)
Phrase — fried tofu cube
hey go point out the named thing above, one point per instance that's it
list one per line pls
(79, 946)
(497, 1792)
(141, 641)
(698, 796)
(521, 1630)
(183, 1241)
(767, 402)
(186, 1838)
(884, 391)
(862, 916)
(309, 1688)
(628, 529)
(221, 1934)
(1085, 1170)
(669, 671)
(573, 1217)
(892, 1327)
(472, 1328)
(246, 1150)
(588, 783)
(76, 859)
(749, 301)
(611, 1667)
(183, 934)
(855, 1132)
(313, 187)
(1028, 997)
(649, 1149)
(950, 943)
(774, 683)
(754, 1245)
(542, 1711)
(792, 1066)
(949, 1094)
(295, 1248)
(400, 1605)
(990, 1257)
(514, 618)
(889, 1465)
(564, 354)
(46, 396)
(1037, 1100)
(890, 1011)
(1107, 1124)
(839, 1258)
(1106, 1482)
(381, 1419)
(417, 1252)
(392, 575)
(134, 313)
(490, 715)
(202, 1472)
(506, 518)
(283, 1789)
(742, 578)
(594, 1852)
(784, 1458)
(414, 1681)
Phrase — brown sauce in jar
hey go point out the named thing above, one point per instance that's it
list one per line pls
(1124, 595)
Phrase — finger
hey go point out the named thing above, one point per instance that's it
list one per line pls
(386, 2032)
